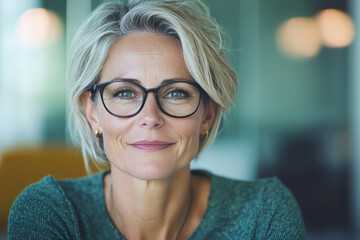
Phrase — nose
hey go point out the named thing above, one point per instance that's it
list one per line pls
(150, 115)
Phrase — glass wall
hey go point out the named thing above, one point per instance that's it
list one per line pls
(32, 72)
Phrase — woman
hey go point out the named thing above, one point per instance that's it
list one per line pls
(148, 86)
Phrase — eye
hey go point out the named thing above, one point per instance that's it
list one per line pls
(176, 94)
(125, 94)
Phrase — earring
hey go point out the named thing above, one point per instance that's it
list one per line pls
(98, 133)
(206, 134)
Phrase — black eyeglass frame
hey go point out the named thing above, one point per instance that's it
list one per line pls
(100, 87)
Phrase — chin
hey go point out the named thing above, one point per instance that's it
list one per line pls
(151, 169)
(148, 174)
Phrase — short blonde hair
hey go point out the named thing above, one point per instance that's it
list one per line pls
(186, 21)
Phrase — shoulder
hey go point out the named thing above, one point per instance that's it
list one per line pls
(82, 188)
(281, 210)
(263, 192)
(86, 197)
(263, 209)
(42, 211)
(241, 191)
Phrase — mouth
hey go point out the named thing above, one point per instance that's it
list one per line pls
(151, 145)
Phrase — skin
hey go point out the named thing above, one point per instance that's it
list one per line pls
(148, 192)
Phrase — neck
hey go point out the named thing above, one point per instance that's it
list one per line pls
(156, 209)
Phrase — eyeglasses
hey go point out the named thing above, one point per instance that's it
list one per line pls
(124, 98)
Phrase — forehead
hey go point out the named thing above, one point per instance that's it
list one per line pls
(145, 55)
(144, 42)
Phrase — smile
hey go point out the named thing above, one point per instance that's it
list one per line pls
(151, 145)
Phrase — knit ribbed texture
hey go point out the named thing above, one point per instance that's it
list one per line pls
(75, 209)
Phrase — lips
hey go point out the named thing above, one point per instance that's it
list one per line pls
(151, 145)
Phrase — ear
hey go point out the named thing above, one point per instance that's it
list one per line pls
(209, 117)
(90, 111)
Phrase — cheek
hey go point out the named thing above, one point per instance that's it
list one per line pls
(189, 139)
(111, 125)
(114, 130)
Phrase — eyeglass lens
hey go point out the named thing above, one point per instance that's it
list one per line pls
(177, 99)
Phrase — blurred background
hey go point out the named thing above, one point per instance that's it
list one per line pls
(297, 114)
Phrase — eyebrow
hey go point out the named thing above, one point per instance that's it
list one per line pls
(162, 82)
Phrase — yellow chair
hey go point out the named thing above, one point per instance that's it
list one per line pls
(22, 166)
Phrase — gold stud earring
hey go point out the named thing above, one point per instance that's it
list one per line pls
(98, 133)
(206, 134)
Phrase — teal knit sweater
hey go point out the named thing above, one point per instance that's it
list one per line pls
(75, 209)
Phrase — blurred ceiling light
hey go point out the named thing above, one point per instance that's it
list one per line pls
(336, 28)
(299, 38)
(38, 27)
